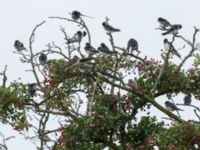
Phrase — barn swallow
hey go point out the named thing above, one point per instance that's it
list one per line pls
(170, 106)
(109, 28)
(42, 58)
(32, 89)
(72, 62)
(19, 46)
(187, 99)
(76, 15)
(89, 49)
(132, 84)
(104, 49)
(132, 45)
(173, 29)
(169, 47)
(163, 23)
(77, 37)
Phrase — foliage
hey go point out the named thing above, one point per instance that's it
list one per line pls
(92, 103)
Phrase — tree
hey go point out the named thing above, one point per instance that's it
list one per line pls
(93, 95)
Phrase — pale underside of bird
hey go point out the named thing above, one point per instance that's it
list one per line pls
(169, 47)
(109, 28)
(171, 106)
(173, 29)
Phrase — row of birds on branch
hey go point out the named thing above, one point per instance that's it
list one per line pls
(172, 107)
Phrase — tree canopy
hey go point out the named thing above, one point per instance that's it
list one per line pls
(89, 97)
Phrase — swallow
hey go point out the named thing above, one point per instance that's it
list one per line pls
(163, 23)
(72, 62)
(187, 99)
(172, 107)
(89, 49)
(76, 15)
(104, 49)
(19, 46)
(32, 89)
(132, 84)
(77, 37)
(109, 28)
(42, 58)
(132, 45)
(173, 29)
(169, 47)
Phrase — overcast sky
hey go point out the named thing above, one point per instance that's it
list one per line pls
(135, 18)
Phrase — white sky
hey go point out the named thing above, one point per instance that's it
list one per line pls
(135, 18)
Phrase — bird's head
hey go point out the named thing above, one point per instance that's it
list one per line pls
(165, 40)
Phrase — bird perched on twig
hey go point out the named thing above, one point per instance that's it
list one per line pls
(89, 49)
(32, 89)
(104, 49)
(76, 15)
(169, 47)
(172, 107)
(77, 37)
(163, 23)
(42, 58)
(19, 46)
(74, 61)
(187, 99)
(132, 84)
(109, 28)
(173, 29)
(132, 45)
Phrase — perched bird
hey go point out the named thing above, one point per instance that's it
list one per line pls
(86, 68)
(132, 84)
(173, 29)
(19, 46)
(104, 49)
(169, 47)
(187, 99)
(109, 28)
(89, 49)
(32, 89)
(77, 37)
(42, 58)
(74, 61)
(132, 45)
(170, 106)
(163, 23)
(76, 15)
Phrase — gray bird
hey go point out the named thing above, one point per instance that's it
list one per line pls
(72, 62)
(169, 47)
(77, 37)
(104, 49)
(133, 84)
(187, 99)
(109, 28)
(132, 45)
(163, 23)
(32, 89)
(172, 107)
(89, 49)
(42, 58)
(76, 15)
(86, 68)
(19, 46)
(173, 29)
